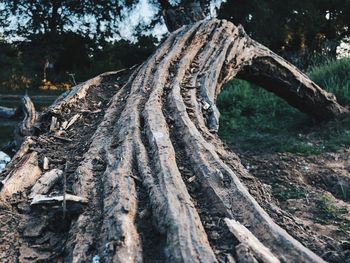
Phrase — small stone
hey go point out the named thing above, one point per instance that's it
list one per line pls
(23, 207)
(27, 253)
(244, 254)
(35, 227)
(96, 259)
(55, 239)
(345, 244)
(214, 235)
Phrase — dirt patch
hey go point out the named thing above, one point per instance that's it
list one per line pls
(307, 196)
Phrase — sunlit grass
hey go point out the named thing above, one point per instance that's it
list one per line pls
(252, 118)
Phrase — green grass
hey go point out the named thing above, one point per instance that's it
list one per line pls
(328, 212)
(327, 209)
(252, 118)
(284, 192)
(334, 77)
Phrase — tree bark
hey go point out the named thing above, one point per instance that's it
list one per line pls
(276, 75)
(158, 180)
(30, 117)
(25, 128)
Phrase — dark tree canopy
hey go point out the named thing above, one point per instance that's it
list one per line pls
(297, 31)
(25, 18)
(294, 26)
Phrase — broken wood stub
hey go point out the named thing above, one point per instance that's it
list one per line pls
(28, 125)
(30, 117)
(44, 200)
(46, 182)
(23, 176)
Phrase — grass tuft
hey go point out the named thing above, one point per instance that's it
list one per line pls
(329, 212)
(334, 77)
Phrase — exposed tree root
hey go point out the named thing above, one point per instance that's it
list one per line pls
(144, 151)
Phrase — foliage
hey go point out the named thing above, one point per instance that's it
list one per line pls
(69, 35)
(302, 27)
(284, 192)
(79, 37)
(22, 63)
(98, 20)
(28, 18)
(256, 119)
(334, 76)
(328, 210)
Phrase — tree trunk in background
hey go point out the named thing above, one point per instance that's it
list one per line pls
(53, 20)
(186, 13)
(161, 186)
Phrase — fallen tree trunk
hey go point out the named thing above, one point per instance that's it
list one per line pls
(156, 177)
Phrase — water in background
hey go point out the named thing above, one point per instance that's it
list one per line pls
(41, 100)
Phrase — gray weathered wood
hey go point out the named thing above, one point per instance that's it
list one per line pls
(45, 183)
(247, 238)
(23, 175)
(30, 117)
(43, 200)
